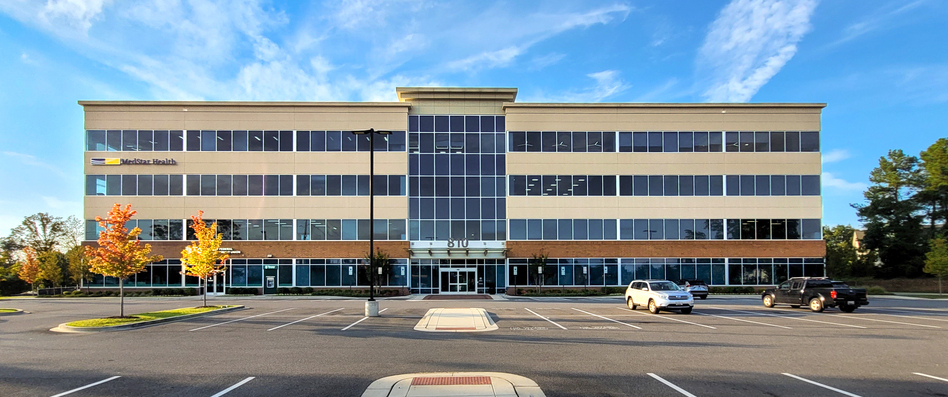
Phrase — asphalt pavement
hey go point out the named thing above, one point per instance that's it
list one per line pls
(729, 345)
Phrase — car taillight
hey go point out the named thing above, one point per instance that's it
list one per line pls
(833, 294)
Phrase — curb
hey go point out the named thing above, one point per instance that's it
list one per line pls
(17, 311)
(63, 328)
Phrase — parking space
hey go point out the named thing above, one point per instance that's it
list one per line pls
(328, 347)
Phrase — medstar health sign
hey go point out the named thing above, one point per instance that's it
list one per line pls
(135, 161)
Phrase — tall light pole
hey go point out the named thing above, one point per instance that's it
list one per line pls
(372, 306)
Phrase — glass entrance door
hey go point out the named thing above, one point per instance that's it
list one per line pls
(458, 281)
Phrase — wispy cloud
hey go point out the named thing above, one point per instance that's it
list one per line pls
(749, 42)
(835, 155)
(607, 84)
(831, 181)
(32, 161)
(531, 29)
(57, 204)
(881, 18)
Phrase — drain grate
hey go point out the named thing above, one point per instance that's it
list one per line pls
(450, 380)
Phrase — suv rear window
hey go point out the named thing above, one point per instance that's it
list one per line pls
(819, 284)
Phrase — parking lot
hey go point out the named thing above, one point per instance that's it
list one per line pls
(729, 345)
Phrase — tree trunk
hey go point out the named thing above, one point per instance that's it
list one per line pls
(205, 290)
(121, 297)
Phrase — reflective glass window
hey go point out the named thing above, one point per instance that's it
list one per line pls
(732, 141)
(240, 143)
(670, 142)
(686, 142)
(762, 142)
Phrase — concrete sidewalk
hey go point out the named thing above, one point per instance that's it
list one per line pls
(468, 384)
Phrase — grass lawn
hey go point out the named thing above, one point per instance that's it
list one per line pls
(7, 310)
(107, 322)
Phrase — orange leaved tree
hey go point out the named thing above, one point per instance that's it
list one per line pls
(29, 268)
(119, 253)
(203, 258)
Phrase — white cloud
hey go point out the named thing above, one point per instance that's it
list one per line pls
(543, 61)
(57, 204)
(749, 42)
(487, 60)
(32, 161)
(608, 84)
(79, 14)
(835, 155)
(831, 181)
(524, 31)
(879, 19)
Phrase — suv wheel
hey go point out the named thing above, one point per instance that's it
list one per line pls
(652, 306)
(631, 304)
(686, 311)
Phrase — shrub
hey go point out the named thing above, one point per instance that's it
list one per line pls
(308, 290)
(876, 290)
(296, 290)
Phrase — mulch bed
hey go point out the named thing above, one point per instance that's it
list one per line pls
(456, 297)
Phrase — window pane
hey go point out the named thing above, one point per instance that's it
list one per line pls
(685, 142)
(654, 141)
(625, 142)
(714, 142)
(776, 142)
(793, 141)
(810, 185)
(809, 141)
(778, 185)
(579, 141)
(763, 185)
(640, 142)
(655, 183)
(146, 141)
(731, 142)
(671, 142)
(130, 140)
(762, 142)
(548, 141)
(701, 142)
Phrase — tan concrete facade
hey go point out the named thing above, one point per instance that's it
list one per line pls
(412, 101)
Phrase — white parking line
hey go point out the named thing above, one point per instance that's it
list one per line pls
(551, 321)
(673, 319)
(822, 385)
(606, 318)
(929, 376)
(886, 321)
(362, 319)
(671, 385)
(307, 318)
(746, 321)
(236, 385)
(239, 319)
(795, 318)
(880, 312)
(87, 386)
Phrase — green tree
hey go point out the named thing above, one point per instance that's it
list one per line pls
(52, 268)
(936, 260)
(841, 256)
(42, 232)
(10, 282)
(79, 267)
(381, 261)
(892, 218)
(934, 193)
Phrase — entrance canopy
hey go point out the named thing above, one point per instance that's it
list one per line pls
(458, 249)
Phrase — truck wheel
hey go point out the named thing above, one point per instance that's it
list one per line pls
(848, 308)
(816, 305)
(631, 305)
(768, 301)
(653, 307)
(686, 311)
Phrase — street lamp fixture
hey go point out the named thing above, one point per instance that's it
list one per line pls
(372, 306)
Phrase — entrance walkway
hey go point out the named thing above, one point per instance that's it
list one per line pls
(470, 384)
(456, 320)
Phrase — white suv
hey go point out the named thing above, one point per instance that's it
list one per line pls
(658, 295)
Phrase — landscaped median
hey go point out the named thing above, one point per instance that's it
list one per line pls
(142, 319)
(4, 312)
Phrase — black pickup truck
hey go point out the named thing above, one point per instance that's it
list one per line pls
(817, 292)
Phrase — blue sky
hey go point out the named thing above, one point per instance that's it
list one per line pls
(881, 67)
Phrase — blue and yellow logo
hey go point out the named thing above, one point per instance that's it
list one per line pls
(103, 161)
